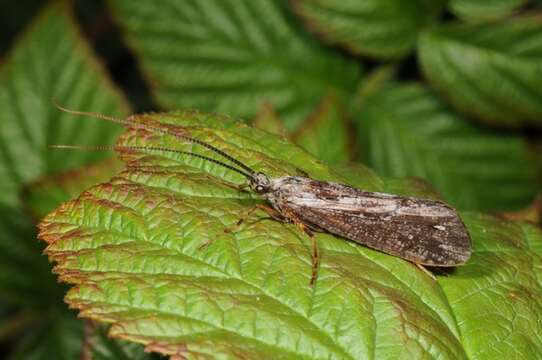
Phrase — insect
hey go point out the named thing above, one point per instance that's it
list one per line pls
(422, 231)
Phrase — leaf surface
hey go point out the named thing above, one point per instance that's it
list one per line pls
(148, 254)
(405, 130)
(384, 29)
(231, 56)
(490, 70)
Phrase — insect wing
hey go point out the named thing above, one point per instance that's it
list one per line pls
(423, 231)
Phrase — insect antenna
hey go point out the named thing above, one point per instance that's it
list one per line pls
(150, 148)
(128, 122)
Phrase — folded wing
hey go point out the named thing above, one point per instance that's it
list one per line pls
(423, 231)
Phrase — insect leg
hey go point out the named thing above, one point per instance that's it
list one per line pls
(269, 210)
(242, 187)
(315, 254)
(301, 172)
(274, 214)
(315, 259)
(422, 268)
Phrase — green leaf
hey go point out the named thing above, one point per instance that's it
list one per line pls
(44, 195)
(148, 254)
(405, 130)
(488, 9)
(489, 70)
(231, 56)
(325, 133)
(383, 29)
(50, 61)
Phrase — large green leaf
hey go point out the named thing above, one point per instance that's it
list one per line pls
(231, 56)
(486, 9)
(148, 253)
(490, 70)
(50, 61)
(405, 130)
(379, 28)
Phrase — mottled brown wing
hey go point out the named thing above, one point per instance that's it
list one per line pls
(423, 231)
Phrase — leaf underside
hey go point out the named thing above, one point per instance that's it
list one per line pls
(148, 254)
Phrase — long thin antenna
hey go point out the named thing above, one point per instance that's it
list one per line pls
(92, 114)
(150, 148)
(128, 122)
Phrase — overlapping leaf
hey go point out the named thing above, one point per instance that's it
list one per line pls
(487, 9)
(44, 195)
(382, 29)
(267, 119)
(490, 70)
(231, 56)
(325, 134)
(405, 130)
(50, 60)
(149, 254)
